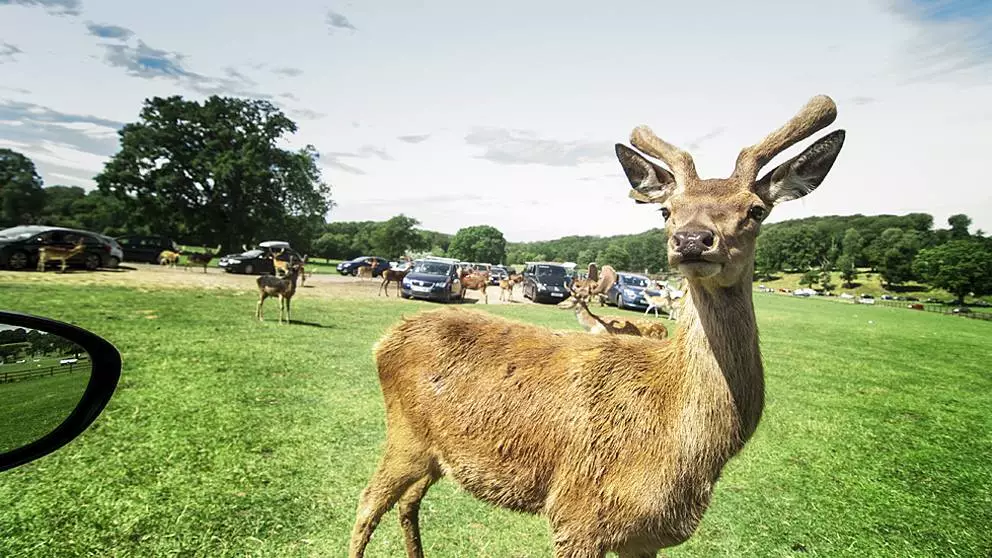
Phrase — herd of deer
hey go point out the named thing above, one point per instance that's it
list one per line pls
(617, 440)
(199, 259)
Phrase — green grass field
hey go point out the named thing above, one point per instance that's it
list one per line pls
(232, 438)
(37, 405)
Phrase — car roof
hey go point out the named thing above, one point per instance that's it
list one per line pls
(439, 259)
(556, 264)
(274, 244)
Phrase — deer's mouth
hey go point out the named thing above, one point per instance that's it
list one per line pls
(698, 267)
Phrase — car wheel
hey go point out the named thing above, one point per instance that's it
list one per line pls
(114, 262)
(18, 260)
(92, 262)
(249, 268)
(620, 302)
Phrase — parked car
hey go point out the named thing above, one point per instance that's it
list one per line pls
(497, 274)
(19, 246)
(804, 292)
(145, 248)
(258, 260)
(628, 291)
(351, 267)
(962, 310)
(116, 251)
(545, 282)
(433, 279)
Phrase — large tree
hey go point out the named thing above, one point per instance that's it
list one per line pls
(959, 226)
(21, 195)
(960, 267)
(213, 172)
(480, 243)
(396, 236)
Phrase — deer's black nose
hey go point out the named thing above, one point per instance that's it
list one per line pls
(692, 244)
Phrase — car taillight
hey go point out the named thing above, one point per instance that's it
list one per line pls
(106, 248)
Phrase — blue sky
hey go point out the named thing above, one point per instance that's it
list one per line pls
(505, 113)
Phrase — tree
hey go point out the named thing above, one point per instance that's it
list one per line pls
(959, 226)
(480, 243)
(21, 195)
(960, 267)
(396, 236)
(826, 282)
(896, 266)
(212, 172)
(616, 255)
(853, 245)
(845, 264)
(809, 278)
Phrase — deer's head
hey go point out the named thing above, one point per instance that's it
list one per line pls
(713, 224)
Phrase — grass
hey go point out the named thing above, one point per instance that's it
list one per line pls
(37, 405)
(229, 437)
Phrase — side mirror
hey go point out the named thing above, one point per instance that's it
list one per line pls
(55, 379)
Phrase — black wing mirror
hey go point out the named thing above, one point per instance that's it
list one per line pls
(55, 379)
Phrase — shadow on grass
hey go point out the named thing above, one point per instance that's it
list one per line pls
(310, 324)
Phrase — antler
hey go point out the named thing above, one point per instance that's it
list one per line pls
(678, 160)
(818, 113)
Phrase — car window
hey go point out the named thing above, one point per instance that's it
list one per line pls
(550, 272)
(634, 281)
(432, 268)
(124, 241)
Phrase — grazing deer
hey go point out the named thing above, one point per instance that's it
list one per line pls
(201, 259)
(282, 287)
(57, 253)
(394, 275)
(613, 326)
(617, 440)
(506, 286)
(476, 281)
(168, 257)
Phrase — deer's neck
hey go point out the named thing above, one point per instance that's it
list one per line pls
(586, 318)
(718, 340)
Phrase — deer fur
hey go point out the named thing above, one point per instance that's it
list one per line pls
(368, 271)
(169, 258)
(303, 271)
(476, 281)
(282, 287)
(394, 276)
(201, 259)
(617, 440)
(612, 326)
(56, 253)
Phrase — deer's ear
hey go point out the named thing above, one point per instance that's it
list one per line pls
(649, 182)
(802, 174)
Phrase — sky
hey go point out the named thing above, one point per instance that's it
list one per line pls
(505, 113)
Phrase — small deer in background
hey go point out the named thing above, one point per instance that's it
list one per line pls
(506, 286)
(282, 287)
(57, 253)
(303, 271)
(394, 275)
(612, 326)
(280, 267)
(169, 258)
(201, 259)
(368, 271)
(476, 281)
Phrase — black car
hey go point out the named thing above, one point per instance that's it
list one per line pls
(258, 261)
(432, 279)
(145, 248)
(351, 267)
(19, 247)
(497, 274)
(546, 282)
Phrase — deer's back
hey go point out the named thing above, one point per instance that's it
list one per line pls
(513, 412)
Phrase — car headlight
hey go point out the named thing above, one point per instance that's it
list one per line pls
(234, 261)
(406, 283)
(441, 284)
(542, 287)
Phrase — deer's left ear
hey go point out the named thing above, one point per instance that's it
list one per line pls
(803, 173)
(649, 182)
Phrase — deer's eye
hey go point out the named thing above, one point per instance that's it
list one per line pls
(665, 213)
(757, 213)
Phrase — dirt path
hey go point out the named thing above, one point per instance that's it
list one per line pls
(153, 277)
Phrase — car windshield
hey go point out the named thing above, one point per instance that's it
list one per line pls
(432, 268)
(550, 271)
(635, 281)
(19, 233)
(253, 253)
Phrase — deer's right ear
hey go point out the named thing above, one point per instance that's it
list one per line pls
(649, 182)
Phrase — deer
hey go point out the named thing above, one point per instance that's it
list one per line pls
(282, 287)
(506, 286)
(168, 258)
(394, 275)
(368, 271)
(476, 281)
(279, 267)
(201, 259)
(665, 301)
(616, 440)
(63, 255)
(612, 326)
(303, 271)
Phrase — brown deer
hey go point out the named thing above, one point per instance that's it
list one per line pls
(506, 286)
(612, 326)
(201, 259)
(394, 275)
(368, 271)
(279, 267)
(168, 257)
(303, 271)
(617, 440)
(282, 287)
(57, 253)
(476, 281)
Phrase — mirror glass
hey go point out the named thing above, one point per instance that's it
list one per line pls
(42, 379)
